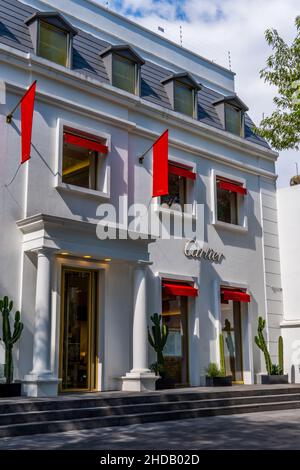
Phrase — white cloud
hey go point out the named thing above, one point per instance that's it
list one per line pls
(214, 27)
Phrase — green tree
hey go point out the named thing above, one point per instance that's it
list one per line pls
(282, 128)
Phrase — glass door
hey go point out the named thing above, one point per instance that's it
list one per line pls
(232, 336)
(78, 350)
(174, 314)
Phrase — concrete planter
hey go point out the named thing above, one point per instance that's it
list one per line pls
(274, 379)
(10, 390)
(219, 381)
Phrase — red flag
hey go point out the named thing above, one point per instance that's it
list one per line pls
(27, 106)
(160, 165)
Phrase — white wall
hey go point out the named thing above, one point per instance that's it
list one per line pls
(289, 236)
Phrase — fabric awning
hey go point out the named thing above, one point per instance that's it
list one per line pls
(182, 171)
(231, 186)
(85, 143)
(236, 295)
(179, 288)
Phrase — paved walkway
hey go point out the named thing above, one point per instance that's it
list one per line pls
(266, 430)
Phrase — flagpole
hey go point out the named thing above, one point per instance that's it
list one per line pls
(10, 115)
(142, 157)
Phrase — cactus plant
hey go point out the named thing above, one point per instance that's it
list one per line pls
(9, 339)
(158, 341)
(222, 355)
(280, 355)
(261, 343)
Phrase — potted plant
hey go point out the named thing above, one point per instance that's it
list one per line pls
(216, 377)
(10, 388)
(275, 373)
(158, 340)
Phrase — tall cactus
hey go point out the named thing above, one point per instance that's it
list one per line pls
(222, 355)
(9, 339)
(158, 339)
(261, 343)
(280, 355)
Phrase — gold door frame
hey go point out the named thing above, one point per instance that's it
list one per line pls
(93, 333)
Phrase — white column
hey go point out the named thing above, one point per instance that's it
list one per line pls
(40, 381)
(42, 324)
(140, 378)
(139, 334)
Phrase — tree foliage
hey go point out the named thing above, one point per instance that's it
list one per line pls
(282, 128)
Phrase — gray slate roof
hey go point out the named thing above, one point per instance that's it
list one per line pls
(87, 60)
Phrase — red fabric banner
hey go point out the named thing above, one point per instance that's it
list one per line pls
(236, 295)
(230, 186)
(86, 143)
(181, 171)
(27, 107)
(160, 165)
(182, 289)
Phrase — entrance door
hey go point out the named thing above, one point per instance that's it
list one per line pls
(78, 339)
(232, 336)
(174, 314)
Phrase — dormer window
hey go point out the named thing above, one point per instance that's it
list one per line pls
(52, 37)
(53, 43)
(182, 91)
(123, 66)
(231, 111)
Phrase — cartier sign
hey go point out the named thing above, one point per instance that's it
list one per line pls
(193, 249)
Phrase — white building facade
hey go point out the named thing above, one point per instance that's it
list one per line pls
(105, 92)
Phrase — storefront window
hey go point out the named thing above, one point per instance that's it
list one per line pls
(174, 313)
(227, 206)
(79, 166)
(232, 337)
(177, 192)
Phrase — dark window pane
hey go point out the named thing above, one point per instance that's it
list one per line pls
(79, 166)
(177, 191)
(183, 99)
(227, 206)
(53, 44)
(124, 74)
(233, 119)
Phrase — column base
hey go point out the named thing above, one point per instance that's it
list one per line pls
(40, 385)
(139, 381)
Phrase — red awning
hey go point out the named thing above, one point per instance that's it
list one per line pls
(84, 142)
(182, 289)
(182, 171)
(237, 295)
(231, 186)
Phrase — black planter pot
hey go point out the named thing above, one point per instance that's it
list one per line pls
(219, 381)
(10, 390)
(274, 379)
(164, 383)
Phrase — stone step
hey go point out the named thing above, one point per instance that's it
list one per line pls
(126, 419)
(24, 405)
(131, 409)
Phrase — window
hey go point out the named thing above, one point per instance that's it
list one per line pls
(229, 194)
(81, 159)
(178, 184)
(184, 99)
(53, 43)
(233, 119)
(124, 74)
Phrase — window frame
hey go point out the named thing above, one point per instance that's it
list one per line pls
(57, 28)
(241, 120)
(178, 83)
(242, 203)
(191, 188)
(120, 57)
(103, 173)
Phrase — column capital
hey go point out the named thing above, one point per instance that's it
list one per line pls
(45, 251)
(143, 264)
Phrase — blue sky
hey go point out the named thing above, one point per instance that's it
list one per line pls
(211, 28)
